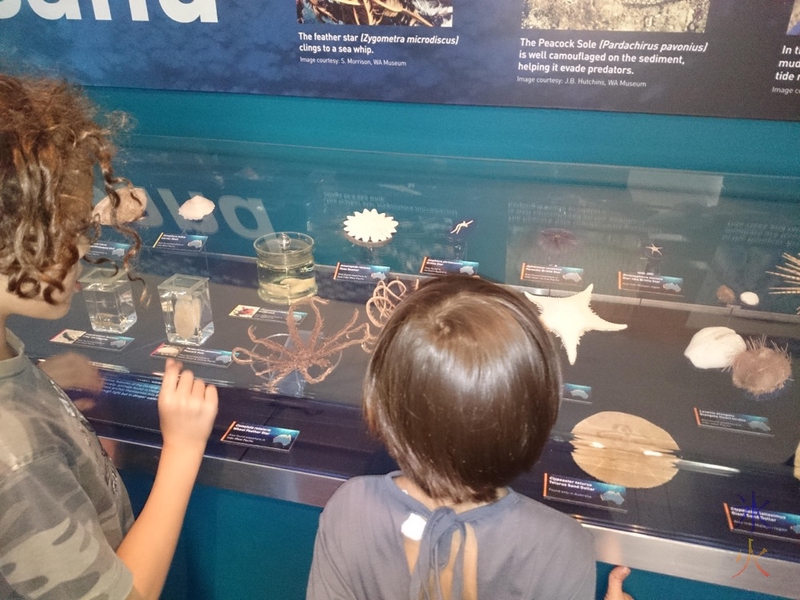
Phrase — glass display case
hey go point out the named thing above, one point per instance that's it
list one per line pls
(674, 298)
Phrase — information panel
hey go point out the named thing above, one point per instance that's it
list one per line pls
(731, 58)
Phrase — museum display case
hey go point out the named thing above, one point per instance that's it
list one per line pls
(674, 297)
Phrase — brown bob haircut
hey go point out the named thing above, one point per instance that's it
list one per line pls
(463, 387)
(49, 145)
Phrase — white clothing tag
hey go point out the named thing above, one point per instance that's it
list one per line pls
(413, 527)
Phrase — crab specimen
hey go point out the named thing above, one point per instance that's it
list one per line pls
(311, 357)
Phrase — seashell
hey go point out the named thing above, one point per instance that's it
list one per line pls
(749, 298)
(714, 348)
(196, 208)
(726, 295)
(133, 203)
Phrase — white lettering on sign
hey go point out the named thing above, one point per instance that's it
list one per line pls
(177, 10)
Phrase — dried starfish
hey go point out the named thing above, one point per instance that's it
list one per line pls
(276, 361)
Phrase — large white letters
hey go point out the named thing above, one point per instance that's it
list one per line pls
(177, 10)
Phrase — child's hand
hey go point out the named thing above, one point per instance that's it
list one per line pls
(186, 408)
(615, 579)
(73, 371)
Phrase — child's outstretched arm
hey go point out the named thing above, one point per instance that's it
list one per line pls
(187, 408)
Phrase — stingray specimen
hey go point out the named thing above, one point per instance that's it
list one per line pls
(623, 449)
(310, 356)
(569, 318)
(790, 274)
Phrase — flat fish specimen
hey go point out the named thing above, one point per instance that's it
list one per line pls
(569, 318)
(133, 203)
(196, 208)
(714, 348)
(623, 449)
(187, 316)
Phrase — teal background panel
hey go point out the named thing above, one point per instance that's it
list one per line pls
(628, 139)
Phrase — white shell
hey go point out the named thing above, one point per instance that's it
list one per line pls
(370, 226)
(714, 348)
(196, 208)
(749, 298)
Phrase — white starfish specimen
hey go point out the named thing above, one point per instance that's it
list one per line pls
(569, 318)
(370, 226)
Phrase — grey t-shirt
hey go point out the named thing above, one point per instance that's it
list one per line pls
(525, 549)
(63, 508)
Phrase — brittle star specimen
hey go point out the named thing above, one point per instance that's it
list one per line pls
(385, 298)
(790, 274)
(310, 357)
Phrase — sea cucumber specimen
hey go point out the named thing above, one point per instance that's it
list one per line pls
(761, 369)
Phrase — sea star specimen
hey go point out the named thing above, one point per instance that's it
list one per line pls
(370, 226)
(569, 318)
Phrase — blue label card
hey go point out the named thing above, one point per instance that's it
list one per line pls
(436, 266)
(191, 354)
(551, 274)
(585, 492)
(647, 282)
(360, 273)
(270, 315)
(260, 436)
(185, 242)
(140, 388)
(732, 421)
(98, 341)
(581, 394)
(752, 520)
(109, 250)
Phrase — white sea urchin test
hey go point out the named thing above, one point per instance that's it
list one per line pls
(370, 226)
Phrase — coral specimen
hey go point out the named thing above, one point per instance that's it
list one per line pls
(761, 369)
(370, 227)
(310, 357)
(133, 202)
(569, 318)
(790, 274)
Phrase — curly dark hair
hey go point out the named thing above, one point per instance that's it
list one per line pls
(50, 142)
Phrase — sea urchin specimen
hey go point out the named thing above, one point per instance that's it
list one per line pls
(790, 274)
(761, 369)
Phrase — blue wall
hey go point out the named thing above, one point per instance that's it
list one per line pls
(694, 143)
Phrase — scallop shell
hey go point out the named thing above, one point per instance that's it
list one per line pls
(196, 208)
(133, 203)
(714, 348)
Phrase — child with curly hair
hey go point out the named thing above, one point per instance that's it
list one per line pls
(66, 526)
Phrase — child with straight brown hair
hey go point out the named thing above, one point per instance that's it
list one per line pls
(463, 389)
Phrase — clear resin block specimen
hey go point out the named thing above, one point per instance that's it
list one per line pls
(186, 304)
(109, 299)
